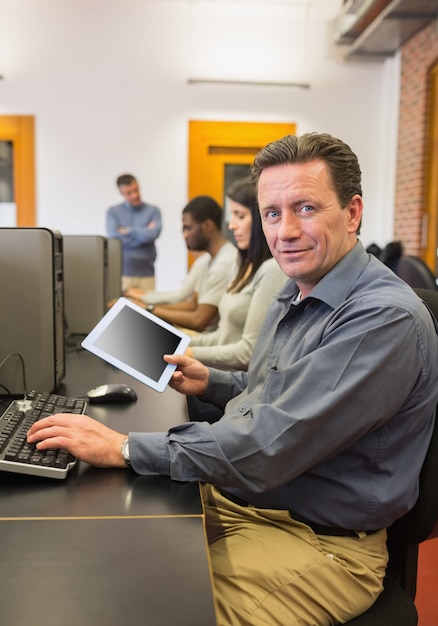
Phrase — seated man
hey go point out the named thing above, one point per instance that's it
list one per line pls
(202, 221)
(322, 440)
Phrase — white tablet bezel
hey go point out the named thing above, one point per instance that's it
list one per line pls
(89, 344)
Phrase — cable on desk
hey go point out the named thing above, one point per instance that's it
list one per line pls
(23, 371)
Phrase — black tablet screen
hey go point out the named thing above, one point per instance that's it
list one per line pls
(138, 342)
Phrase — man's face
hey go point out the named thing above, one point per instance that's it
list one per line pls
(306, 228)
(194, 233)
(131, 193)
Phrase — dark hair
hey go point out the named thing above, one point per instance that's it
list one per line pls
(243, 191)
(342, 163)
(203, 208)
(125, 179)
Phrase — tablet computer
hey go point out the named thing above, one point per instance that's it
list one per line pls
(134, 341)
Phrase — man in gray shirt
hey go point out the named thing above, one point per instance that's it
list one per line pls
(322, 440)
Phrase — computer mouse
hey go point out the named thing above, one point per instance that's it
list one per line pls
(111, 394)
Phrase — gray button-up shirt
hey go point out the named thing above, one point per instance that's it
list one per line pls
(333, 418)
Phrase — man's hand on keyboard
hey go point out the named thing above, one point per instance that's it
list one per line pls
(82, 436)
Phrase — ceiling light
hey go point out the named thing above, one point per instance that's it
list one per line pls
(246, 83)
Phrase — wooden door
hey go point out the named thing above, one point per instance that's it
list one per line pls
(221, 152)
(430, 216)
(215, 147)
(19, 130)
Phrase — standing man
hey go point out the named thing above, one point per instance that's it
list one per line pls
(323, 439)
(137, 225)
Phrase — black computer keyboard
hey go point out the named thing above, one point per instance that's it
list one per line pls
(16, 455)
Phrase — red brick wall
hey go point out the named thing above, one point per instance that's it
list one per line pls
(418, 55)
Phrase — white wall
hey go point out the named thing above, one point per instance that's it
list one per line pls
(107, 83)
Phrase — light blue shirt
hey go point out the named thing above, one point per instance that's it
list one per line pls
(138, 245)
(334, 416)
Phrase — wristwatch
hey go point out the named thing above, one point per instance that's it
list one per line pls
(150, 307)
(124, 448)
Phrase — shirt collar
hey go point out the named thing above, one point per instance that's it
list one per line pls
(335, 286)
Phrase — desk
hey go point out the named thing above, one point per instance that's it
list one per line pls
(105, 547)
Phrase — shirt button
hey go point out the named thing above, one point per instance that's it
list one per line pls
(287, 325)
(242, 409)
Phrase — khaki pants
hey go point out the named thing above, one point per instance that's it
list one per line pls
(269, 570)
(143, 282)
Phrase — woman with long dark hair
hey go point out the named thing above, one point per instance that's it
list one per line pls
(257, 278)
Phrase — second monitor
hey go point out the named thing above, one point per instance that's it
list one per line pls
(85, 281)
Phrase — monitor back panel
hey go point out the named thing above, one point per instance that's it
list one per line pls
(114, 268)
(85, 281)
(32, 309)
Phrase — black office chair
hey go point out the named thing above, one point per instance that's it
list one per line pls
(395, 605)
(411, 269)
(415, 272)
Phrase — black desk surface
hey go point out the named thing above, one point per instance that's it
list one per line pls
(105, 546)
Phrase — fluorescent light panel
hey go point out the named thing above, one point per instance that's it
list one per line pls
(247, 83)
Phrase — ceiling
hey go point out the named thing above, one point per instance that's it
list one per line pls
(376, 29)
(363, 29)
